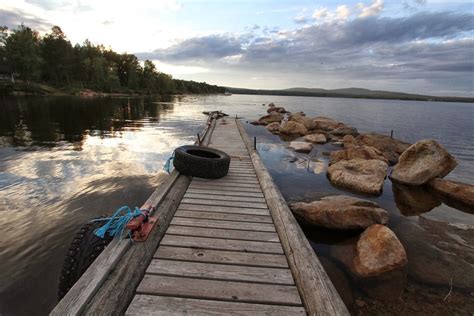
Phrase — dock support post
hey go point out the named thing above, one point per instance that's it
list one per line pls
(255, 143)
(391, 133)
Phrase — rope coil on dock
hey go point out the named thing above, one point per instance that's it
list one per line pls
(115, 225)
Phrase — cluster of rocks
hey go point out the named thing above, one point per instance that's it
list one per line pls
(378, 249)
(362, 164)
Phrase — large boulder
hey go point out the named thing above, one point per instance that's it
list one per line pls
(456, 194)
(316, 138)
(340, 212)
(267, 119)
(291, 127)
(326, 123)
(344, 130)
(378, 251)
(414, 200)
(277, 109)
(390, 147)
(301, 147)
(302, 119)
(359, 175)
(422, 162)
(386, 287)
(356, 152)
(273, 127)
(349, 140)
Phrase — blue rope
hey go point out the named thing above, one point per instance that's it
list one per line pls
(115, 225)
(167, 166)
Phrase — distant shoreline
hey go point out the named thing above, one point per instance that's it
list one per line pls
(383, 95)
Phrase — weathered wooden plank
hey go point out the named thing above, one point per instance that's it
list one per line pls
(222, 256)
(224, 193)
(226, 187)
(225, 216)
(227, 179)
(183, 221)
(219, 290)
(225, 184)
(224, 198)
(239, 176)
(222, 272)
(222, 244)
(243, 175)
(222, 233)
(164, 306)
(245, 171)
(317, 291)
(224, 203)
(223, 209)
(241, 163)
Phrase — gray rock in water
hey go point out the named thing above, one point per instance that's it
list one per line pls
(270, 118)
(422, 162)
(378, 251)
(456, 194)
(359, 175)
(326, 123)
(302, 147)
(345, 130)
(291, 127)
(391, 148)
(277, 109)
(273, 127)
(316, 138)
(356, 152)
(341, 212)
(302, 119)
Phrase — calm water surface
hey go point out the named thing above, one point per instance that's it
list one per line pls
(64, 160)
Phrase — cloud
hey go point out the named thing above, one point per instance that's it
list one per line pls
(14, 18)
(374, 52)
(371, 10)
(199, 48)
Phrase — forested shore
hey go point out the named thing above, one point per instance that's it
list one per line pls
(50, 64)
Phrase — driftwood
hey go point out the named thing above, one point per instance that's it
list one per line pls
(317, 292)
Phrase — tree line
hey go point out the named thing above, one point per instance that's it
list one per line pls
(52, 59)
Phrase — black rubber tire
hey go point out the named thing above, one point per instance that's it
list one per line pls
(202, 162)
(84, 249)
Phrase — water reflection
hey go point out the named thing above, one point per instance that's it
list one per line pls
(34, 121)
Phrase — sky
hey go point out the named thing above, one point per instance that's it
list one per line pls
(415, 46)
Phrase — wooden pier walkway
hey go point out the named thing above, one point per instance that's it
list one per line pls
(225, 246)
(221, 253)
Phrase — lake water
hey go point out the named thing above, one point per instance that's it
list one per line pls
(65, 160)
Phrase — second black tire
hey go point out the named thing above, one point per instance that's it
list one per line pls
(84, 249)
(201, 162)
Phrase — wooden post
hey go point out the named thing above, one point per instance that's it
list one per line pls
(255, 143)
(391, 133)
(317, 292)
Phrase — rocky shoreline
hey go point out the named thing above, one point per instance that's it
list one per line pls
(376, 255)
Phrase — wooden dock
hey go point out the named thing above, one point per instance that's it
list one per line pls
(230, 246)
